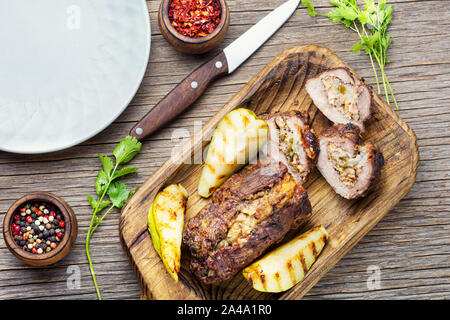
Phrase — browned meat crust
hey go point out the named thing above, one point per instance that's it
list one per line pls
(347, 137)
(254, 209)
(345, 131)
(292, 142)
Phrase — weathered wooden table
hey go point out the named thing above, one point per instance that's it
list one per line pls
(409, 249)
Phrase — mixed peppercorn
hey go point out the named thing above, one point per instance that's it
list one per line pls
(195, 18)
(38, 227)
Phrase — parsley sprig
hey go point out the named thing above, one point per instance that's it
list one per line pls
(371, 24)
(107, 184)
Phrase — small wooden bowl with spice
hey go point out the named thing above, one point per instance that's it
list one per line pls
(40, 229)
(194, 26)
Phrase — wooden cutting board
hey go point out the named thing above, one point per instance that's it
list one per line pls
(278, 87)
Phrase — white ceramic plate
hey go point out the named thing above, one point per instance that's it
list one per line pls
(68, 69)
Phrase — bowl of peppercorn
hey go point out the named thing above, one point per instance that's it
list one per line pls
(40, 229)
(194, 26)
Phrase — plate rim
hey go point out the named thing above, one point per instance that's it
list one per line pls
(126, 104)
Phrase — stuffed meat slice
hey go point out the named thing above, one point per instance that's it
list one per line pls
(252, 210)
(350, 167)
(341, 97)
(291, 142)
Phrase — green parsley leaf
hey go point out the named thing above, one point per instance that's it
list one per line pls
(363, 17)
(342, 13)
(119, 193)
(369, 6)
(370, 42)
(93, 204)
(123, 172)
(107, 164)
(103, 205)
(357, 47)
(309, 7)
(100, 182)
(127, 149)
(336, 3)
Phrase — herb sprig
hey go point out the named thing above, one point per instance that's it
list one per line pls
(371, 25)
(107, 184)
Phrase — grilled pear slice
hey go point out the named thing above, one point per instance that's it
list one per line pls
(165, 223)
(287, 265)
(236, 140)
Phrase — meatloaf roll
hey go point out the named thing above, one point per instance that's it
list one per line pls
(341, 97)
(292, 142)
(350, 167)
(252, 210)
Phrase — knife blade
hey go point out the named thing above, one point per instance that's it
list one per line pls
(243, 47)
(226, 62)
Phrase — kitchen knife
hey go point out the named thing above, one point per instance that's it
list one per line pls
(195, 84)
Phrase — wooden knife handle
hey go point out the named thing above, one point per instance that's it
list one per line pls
(181, 97)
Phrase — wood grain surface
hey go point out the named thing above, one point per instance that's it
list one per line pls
(410, 245)
(279, 87)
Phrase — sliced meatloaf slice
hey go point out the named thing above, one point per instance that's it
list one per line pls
(350, 167)
(252, 210)
(341, 97)
(292, 142)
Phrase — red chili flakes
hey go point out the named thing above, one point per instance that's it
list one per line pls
(195, 18)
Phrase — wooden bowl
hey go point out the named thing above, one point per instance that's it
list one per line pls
(193, 45)
(64, 246)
